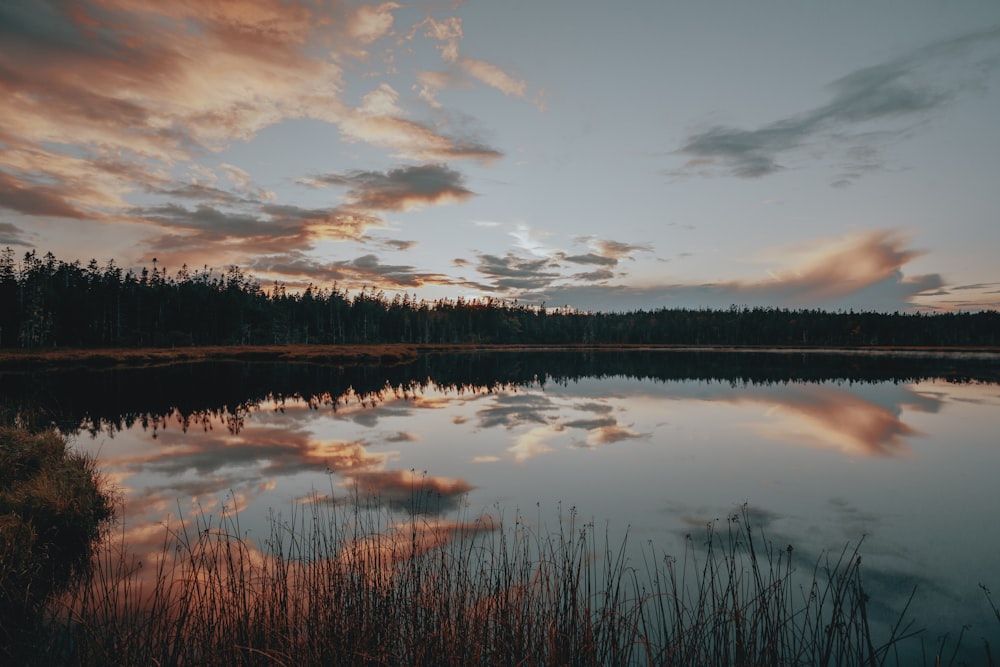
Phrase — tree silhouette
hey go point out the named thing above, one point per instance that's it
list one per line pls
(45, 302)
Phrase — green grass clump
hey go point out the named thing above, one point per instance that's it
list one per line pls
(350, 584)
(52, 509)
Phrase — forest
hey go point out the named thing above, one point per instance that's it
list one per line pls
(47, 302)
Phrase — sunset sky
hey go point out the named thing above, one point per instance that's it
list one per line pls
(605, 156)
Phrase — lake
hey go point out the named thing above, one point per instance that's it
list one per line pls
(823, 448)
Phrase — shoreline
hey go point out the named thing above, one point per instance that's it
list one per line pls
(399, 353)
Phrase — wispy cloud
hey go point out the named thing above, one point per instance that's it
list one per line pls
(399, 189)
(532, 443)
(249, 229)
(370, 23)
(12, 235)
(824, 417)
(605, 252)
(894, 94)
(411, 491)
(862, 271)
(43, 200)
(516, 273)
(367, 269)
(448, 34)
(511, 410)
(610, 434)
(239, 237)
(381, 122)
(513, 273)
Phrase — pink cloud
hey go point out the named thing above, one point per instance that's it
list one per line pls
(863, 271)
(494, 77)
(371, 23)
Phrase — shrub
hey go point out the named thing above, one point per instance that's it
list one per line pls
(53, 506)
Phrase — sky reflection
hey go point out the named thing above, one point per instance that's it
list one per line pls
(907, 466)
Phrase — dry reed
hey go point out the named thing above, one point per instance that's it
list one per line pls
(349, 584)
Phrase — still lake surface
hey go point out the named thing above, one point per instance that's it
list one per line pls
(824, 448)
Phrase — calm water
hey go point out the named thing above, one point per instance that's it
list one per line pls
(825, 449)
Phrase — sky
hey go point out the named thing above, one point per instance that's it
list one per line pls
(601, 156)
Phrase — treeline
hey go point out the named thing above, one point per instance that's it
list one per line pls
(46, 302)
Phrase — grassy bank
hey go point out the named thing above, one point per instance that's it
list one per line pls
(343, 585)
(53, 506)
(146, 357)
(32, 359)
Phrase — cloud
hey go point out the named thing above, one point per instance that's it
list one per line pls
(532, 239)
(606, 435)
(602, 430)
(827, 416)
(898, 90)
(597, 408)
(105, 101)
(976, 286)
(244, 183)
(600, 275)
(222, 461)
(494, 77)
(393, 244)
(515, 410)
(862, 271)
(11, 235)
(367, 269)
(256, 235)
(353, 273)
(380, 557)
(410, 491)
(842, 266)
(510, 272)
(399, 189)
(38, 200)
(447, 32)
(619, 250)
(127, 75)
(514, 274)
(403, 436)
(371, 23)
(410, 139)
(212, 234)
(532, 443)
(39, 182)
(430, 83)
(380, 121)
(590, 258)
(605, 252)
(836, 419)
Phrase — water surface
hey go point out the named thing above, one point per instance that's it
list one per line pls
(826, 450)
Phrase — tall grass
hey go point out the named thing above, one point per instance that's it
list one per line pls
(352, 585)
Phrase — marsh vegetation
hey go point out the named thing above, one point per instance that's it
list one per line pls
(53, 506)
(350, 584)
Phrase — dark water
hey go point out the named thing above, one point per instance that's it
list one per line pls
(825, 448)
